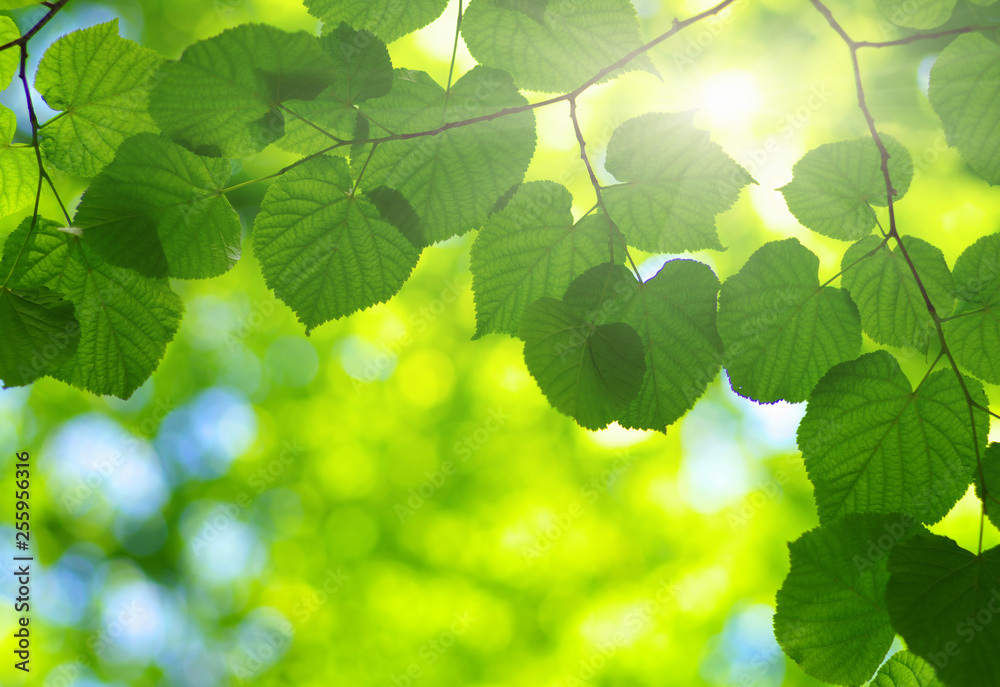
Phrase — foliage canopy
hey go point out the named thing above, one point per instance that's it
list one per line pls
(391, 162)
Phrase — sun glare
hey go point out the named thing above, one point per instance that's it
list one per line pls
(730, 97)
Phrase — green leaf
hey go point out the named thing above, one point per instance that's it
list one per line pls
(222, 97)
(158, 208)
(905, 669)
(974, 334)
(944, 601)
(39, 331)
(533, 8)
(362, 70)
(9, 58)
(965, 93)
(873, 444)
(18, 168)
(14, 4)
(831, 615)
(589, 372)
(991, 470)
(674, 313)
(782, 331)
(916, 14)
(674, 182)
(454, 179)
(531, 249)
(101, 82)
(126, 320)
(553, 47)
(387, 19)
(834, 186)
(324, 249)
(893, 311)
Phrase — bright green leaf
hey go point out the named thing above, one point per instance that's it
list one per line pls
(834, 186)
(362, 70)
(454, 179)
(9, 58)
(325, 250)
(831, 615)
(531, 249)
(905, 669)
(39, 333)
(589, 372)
(974, 333)
(916, 14)
(387, 19)
(126, 320)
(965, 93)
(101, 83)
(158, 209)
(222, 97)
(944, 602)
(674, 182)
(873, 444)
(555, 47)
(18, 168)
(782, 331)
(893, 310)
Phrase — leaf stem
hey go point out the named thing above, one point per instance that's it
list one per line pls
(318, 128)
(454, 54)
(613, 231)
(867, 255)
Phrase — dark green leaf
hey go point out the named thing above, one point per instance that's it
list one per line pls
(782, 331)
(945, 603)
(974, 334)
(589, 372)
(324, 249)
(222, 96)
(831, 614)
(453, 179)
(991, 470)
(893, 311)
(532, 249)
(873, 444)
(39, 334)
(158, 208)
(362, 70)
(674, 313)
(126, 320)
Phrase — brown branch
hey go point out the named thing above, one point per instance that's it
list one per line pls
(54, 8)
(925, 36)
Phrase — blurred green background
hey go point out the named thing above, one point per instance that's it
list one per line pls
(388, 503)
